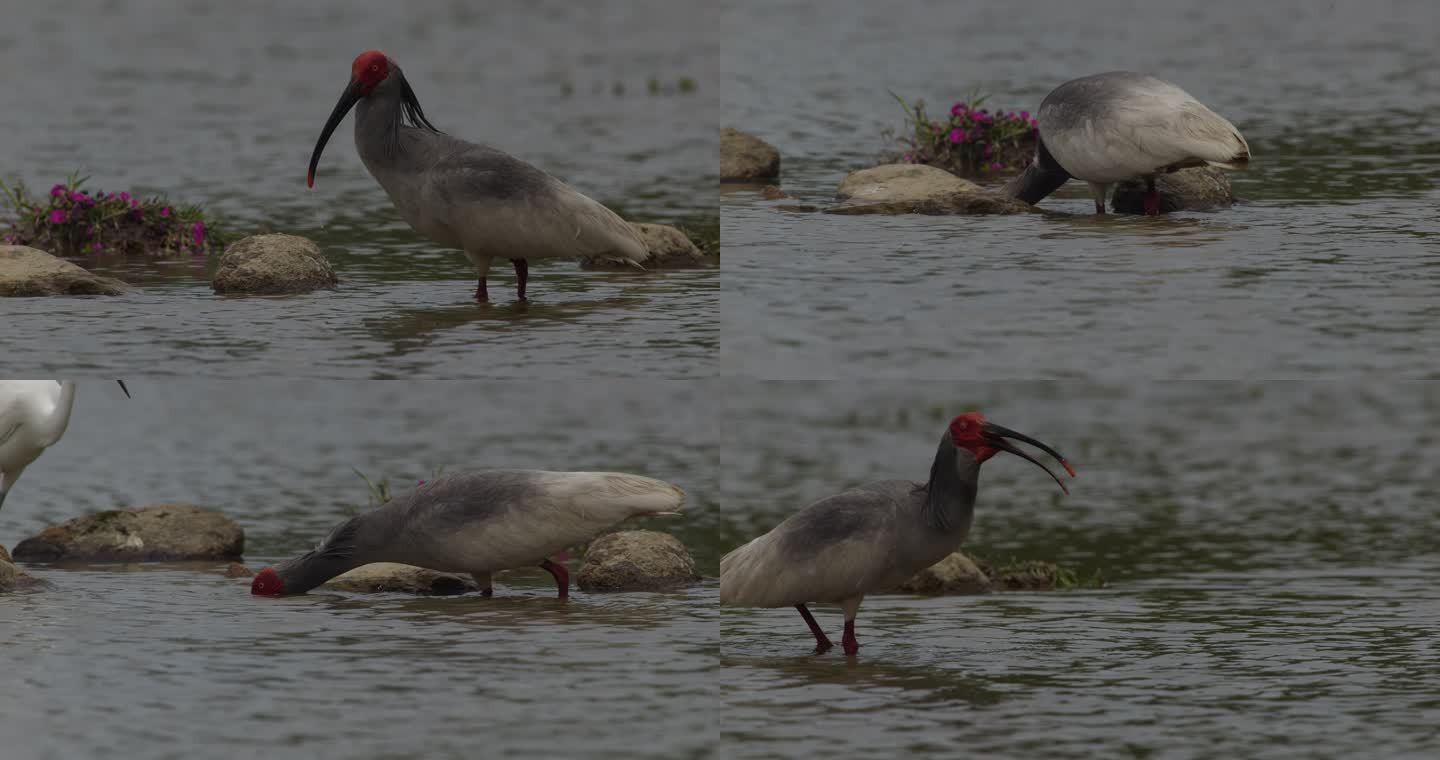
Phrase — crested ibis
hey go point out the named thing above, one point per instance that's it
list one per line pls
(478, 522)
(33, 416)
(1117, 126)
(465, 196)
(872, 537)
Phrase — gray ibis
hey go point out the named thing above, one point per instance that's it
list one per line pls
(478, 522)
(1118, 126)
(465, 196)
(871, 537)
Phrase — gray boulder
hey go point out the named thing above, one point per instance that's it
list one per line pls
(26, 271)
(274, 264)
(746, 158)
(668, 248)
(1196, 189)
(159, 533)
(636, 560)
(379, 577)
(956, 574)
(919, 189)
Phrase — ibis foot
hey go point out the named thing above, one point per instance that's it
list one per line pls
(848, 641)
(562, 577)
(822, 643)
(487, 592)
(482, 294)
(1152, 198)
(522, 275)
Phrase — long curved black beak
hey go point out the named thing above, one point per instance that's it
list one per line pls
(995, 435)
(123, 388)
(348, 99)
(1042, 177)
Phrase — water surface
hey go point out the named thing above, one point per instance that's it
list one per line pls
(175, 660)
(221, 104)
(1330, 265)
(1267, 551)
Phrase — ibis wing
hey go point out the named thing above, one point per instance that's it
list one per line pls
(834, 549)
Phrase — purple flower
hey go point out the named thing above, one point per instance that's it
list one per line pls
(989, 150)
(909, 158)
(959, 108)
(124, 196)
(78, 197)
(57, 191)
(1024, 116)
(96, 246)
(1035, 123)
(197, 231)
(134, 204)
(997, 166)
(57, 217)
(957, 135)
(165, 211)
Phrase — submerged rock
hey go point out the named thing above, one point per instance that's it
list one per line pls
(636, 560)
(919, 189)
(1030, 575)
(237, 570)
(746, 158)
(163, 532)
(956, 574)
(26, 271)
(668, 247)
(1195, 189)
(379, 577)
(12, 578)
(274, 264)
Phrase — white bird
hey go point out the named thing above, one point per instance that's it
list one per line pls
(33, 416)
(478, 522)
(1117, 126)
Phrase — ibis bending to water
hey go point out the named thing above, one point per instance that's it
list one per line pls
(33, 416)
(479, 523)
(1118, 126)
(872, 537)
(466, 196)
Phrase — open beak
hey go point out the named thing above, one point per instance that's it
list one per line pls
(123, 388)
(996, 435)
(348, 99)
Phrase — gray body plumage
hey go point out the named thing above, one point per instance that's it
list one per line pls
(1120, 125)
(481, 522)
(478, 199)
(868, 538)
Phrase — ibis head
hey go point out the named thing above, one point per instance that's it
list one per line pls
(372, 71)
(984, 439)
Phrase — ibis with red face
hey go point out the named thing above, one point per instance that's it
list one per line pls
(465, 196)
(872, 537)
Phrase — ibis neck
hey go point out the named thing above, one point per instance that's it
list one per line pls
(950, 492)
(377, 127)
(358, 541)
(1042, 177)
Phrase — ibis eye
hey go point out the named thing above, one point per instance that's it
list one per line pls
(374, 67)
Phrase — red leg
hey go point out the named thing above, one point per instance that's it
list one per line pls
(482, 294)
(822, 644)
(848, 641)
(522, 274)
(1152, 198)
(562, 577)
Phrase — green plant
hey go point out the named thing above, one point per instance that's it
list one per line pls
(972, 141)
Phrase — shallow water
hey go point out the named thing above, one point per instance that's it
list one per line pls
(1266, 549)
(175, 660)
(221, 106)
(1329, 266)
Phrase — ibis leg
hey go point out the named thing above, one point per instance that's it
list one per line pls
(848, 642)
(822, 644)
(482, 268)
(1097, 190)
(522, 275)
(1152, 198)
(562, 577)
(487, 588)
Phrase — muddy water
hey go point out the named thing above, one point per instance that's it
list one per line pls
(1267, 550)
(1330, 267)
(221, 105)
(175, 661)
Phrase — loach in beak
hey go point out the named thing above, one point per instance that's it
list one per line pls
(348, 99)
(995, 435)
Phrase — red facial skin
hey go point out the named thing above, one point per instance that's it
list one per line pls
(267, 583)
(965, 432)
(369, 69)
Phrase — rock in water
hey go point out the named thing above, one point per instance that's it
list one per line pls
(956, 574)
(636, 560)
(379, 577)
(163, 532)
(746, 158)
(1195, 189)
(919, 189)
(273, 264)
(668, 248)
(26, 271)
